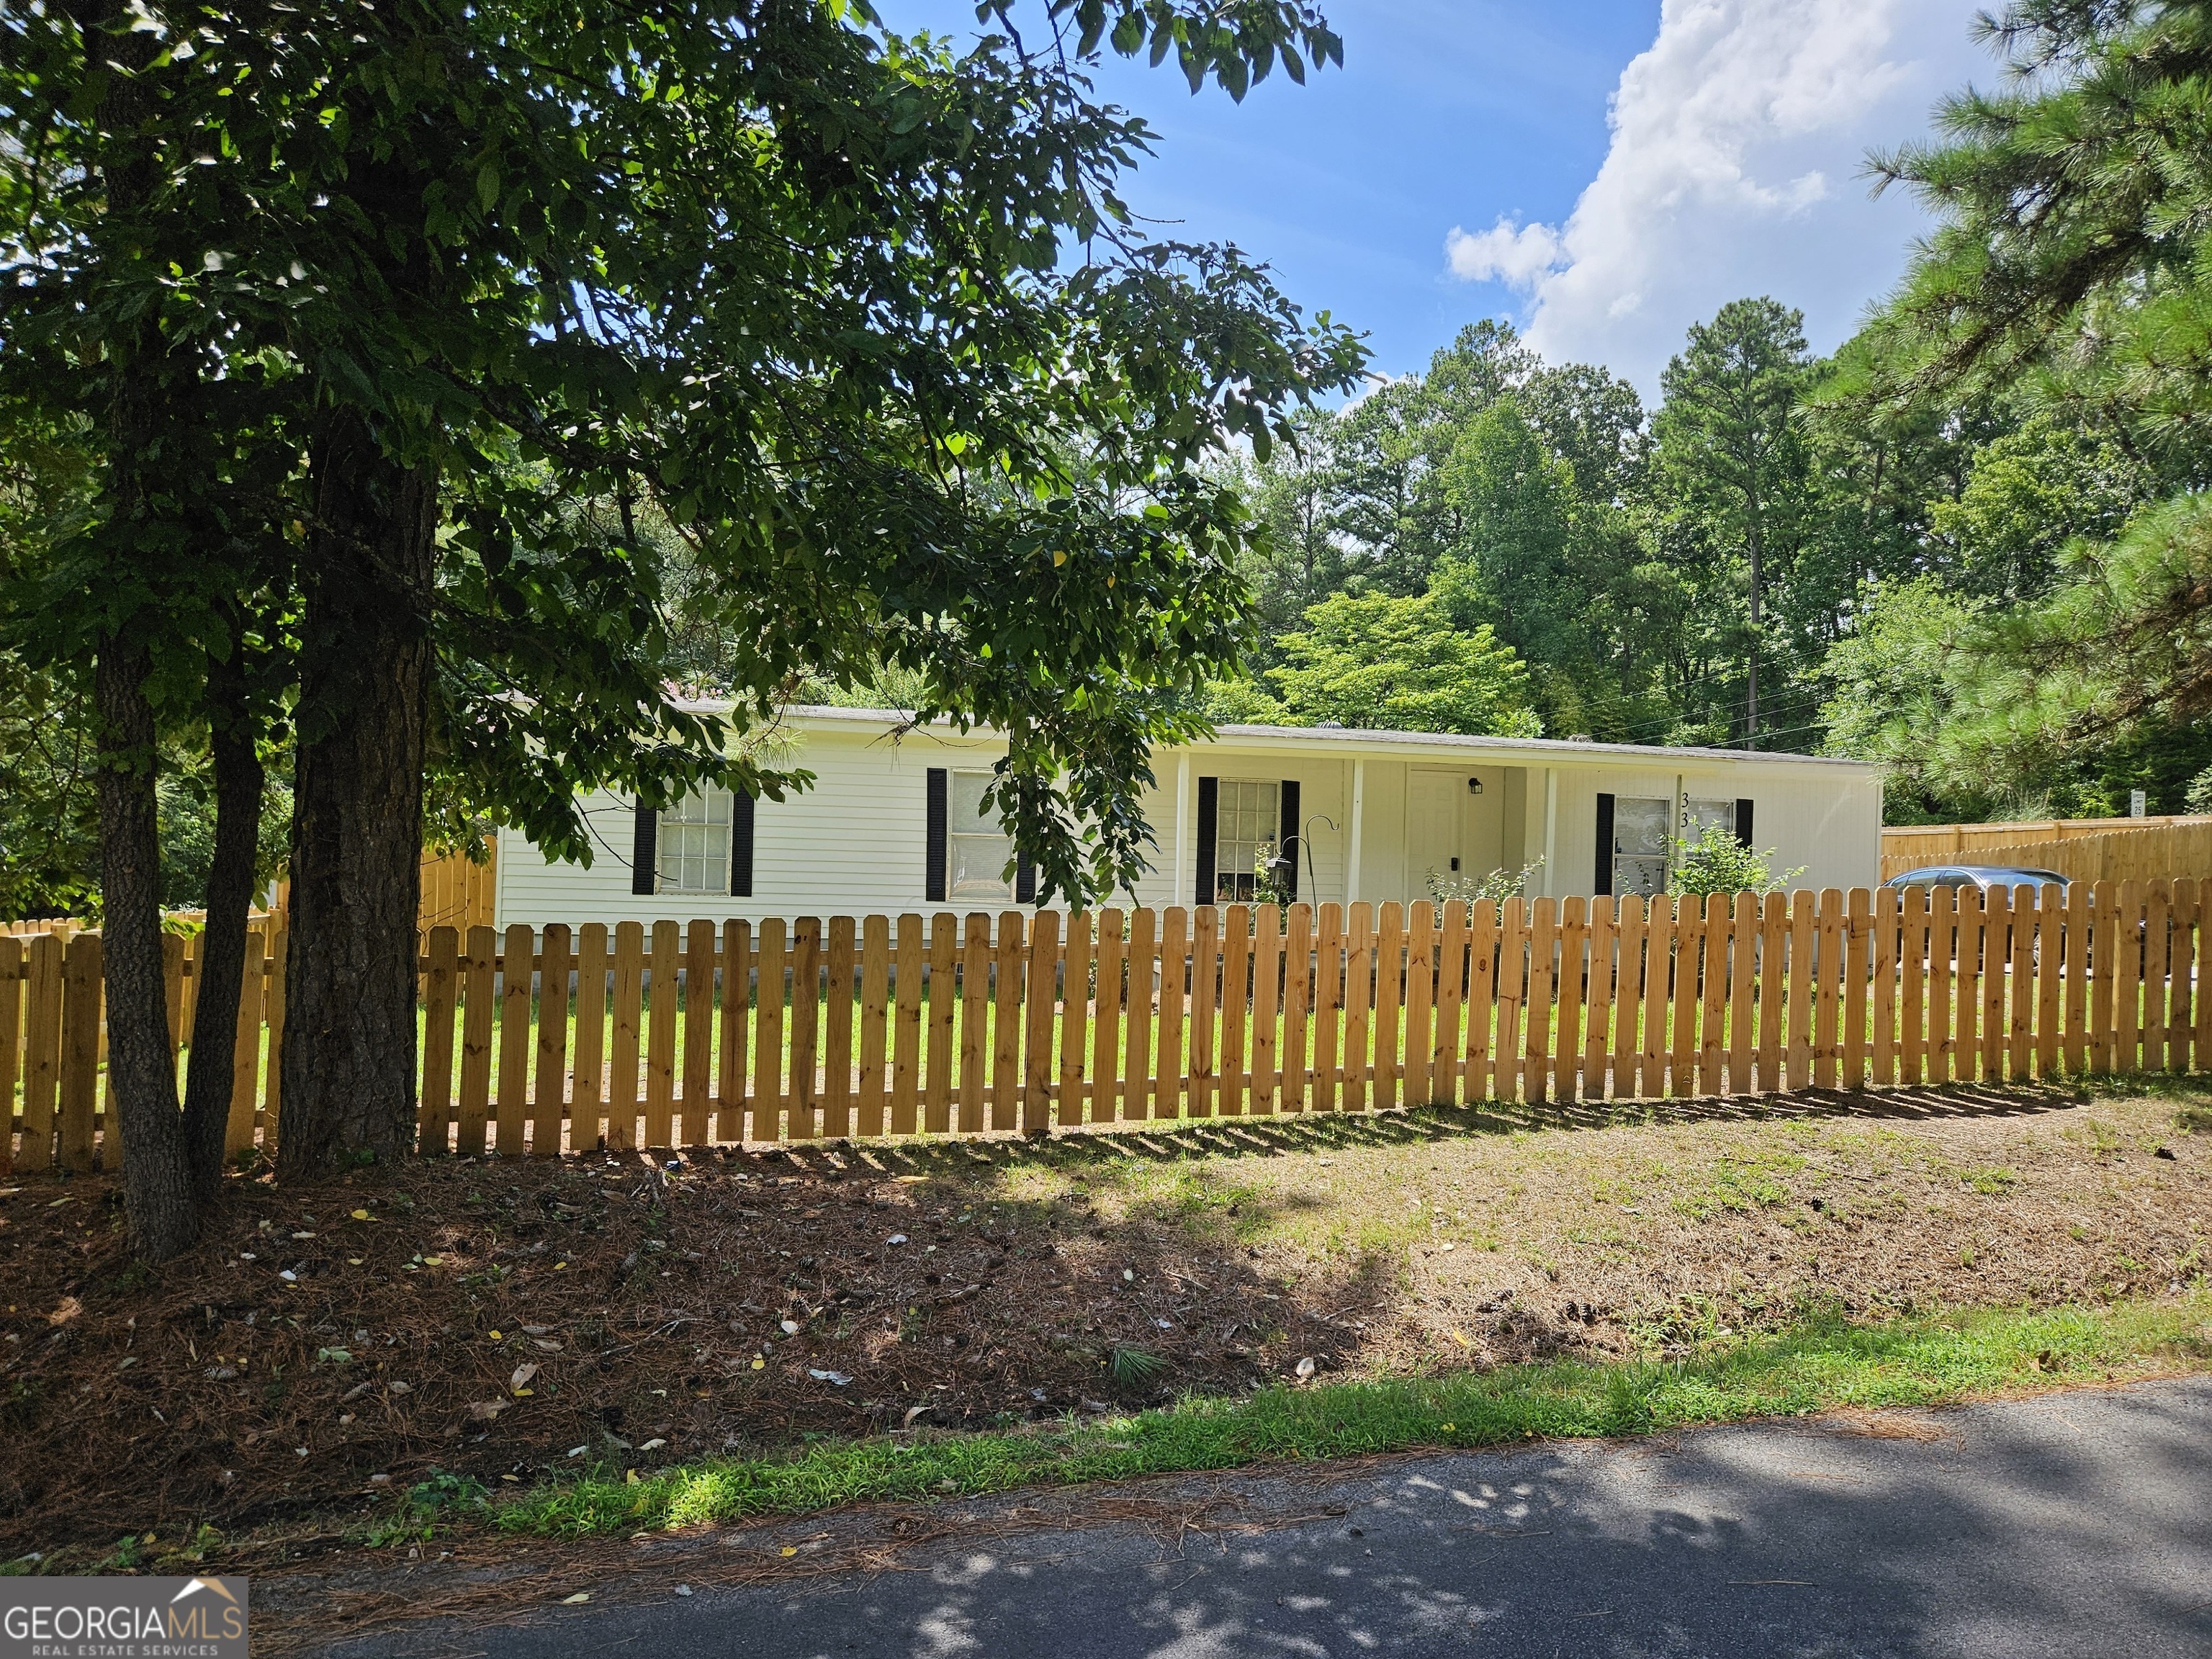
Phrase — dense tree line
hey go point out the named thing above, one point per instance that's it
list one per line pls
(1972, 545)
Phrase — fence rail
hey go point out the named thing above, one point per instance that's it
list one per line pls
(678, 1035)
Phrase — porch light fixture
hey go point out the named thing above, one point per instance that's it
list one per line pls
(1475, 786)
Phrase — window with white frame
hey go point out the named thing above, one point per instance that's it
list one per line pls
(1639, 845)
(1248, 816)
(693, 854)
(978, 851)
(1699, 815)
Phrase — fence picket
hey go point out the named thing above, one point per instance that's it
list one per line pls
(737, 963)
(549, 1100)
(2105, 923)
(1481, 999)
(80, 1088)
(1138, 1093)
(1689, 927)
(906, 1032)
(1106, 1021)
(1174, 953)
(588, 1092)
(1633, 914)
(1712, 1019)
(1358, 1004)
(1942, 1000)
(1512, 990)
(837, 1033)
(1857, 948)
(1329, 1010)
(1231, 1008)
(514, 1085)
(2019, 984)
(2127, 980)
(1421, 1002)
(2182, 964)
(1267, 990)
(975, 1019)
(245, 1073)
(1566, 1020)
(1075, 1016)
(805, 1012)
(1451, 1004)
(768, 1033)
(1205, 964)
(42, 1050)
(2050, 970)
(1658, 965)
(1036, 1037)
(622, 1075)
(875, 1004)
(1388, 1019)
(943, 1008)
(477, 972)
(1006, 1025)
(1798, 980)
(698, 1032)
(1298, 999)
(1743, 985)
(433, 1108)
(665, 1016)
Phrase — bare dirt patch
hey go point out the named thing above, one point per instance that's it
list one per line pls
(504, 1322)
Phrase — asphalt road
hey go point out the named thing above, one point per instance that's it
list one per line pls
(2072, 1524)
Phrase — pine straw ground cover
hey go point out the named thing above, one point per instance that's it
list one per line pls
(468, 1328)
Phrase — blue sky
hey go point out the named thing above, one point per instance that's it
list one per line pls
(1462, 165)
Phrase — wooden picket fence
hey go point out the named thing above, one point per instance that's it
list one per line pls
(684, 1035)
(2080, 849)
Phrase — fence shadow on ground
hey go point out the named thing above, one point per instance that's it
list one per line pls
(1321, 1131)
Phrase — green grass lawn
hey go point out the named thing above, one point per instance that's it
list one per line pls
(1815, 1367)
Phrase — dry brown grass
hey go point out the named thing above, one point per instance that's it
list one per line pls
(1376, 1246)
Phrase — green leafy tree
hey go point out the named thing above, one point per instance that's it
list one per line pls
(1376, 661)
(2070, 269)
(1732, 448)
(425, 306)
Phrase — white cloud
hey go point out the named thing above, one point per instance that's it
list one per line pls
(1734, 169)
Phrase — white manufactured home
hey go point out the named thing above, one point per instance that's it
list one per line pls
(892, 823)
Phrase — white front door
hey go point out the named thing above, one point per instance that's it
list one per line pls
(1434, 833)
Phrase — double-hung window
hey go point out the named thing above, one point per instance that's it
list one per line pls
(1699, 815)
(692, 852)
(1639, 844)
(978, 849)
(1248, 818)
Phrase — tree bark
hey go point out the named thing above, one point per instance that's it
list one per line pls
(157, 1194)
(238, 779)
(348, 1071)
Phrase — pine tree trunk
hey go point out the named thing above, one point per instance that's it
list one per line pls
(157, 1193)
(238, 784)
(158, 1203)
(349, 1074)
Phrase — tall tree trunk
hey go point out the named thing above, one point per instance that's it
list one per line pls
(159, 1206)
(157, 1193)
(348, 1075)
(238, 784)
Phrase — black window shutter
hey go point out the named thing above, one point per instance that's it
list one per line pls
(741, 846)
(1209, 812)
(645, 851)
(1289, 844)
(1024, 880)
(1742, 822)
(933, 880)
(1604, 883)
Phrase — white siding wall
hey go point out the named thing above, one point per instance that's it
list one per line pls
(854, 844)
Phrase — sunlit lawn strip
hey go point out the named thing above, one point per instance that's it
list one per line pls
(1818, 1366)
